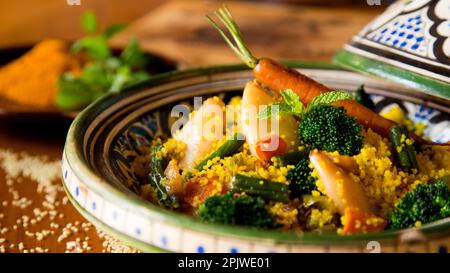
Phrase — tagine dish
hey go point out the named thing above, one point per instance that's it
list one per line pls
(294, 155)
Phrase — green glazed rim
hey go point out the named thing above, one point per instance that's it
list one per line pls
(368, 66)
(80, 167)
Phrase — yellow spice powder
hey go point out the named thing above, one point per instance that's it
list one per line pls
(32, 79)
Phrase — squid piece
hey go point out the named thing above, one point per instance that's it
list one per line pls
(266, 137)
(204, 128)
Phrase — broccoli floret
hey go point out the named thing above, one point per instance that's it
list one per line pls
(239, 210)
(329, 128)
(301, 180)
(426, 203)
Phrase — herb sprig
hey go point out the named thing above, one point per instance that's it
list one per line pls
(103, 72)
(293, 106)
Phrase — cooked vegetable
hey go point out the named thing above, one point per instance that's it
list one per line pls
(425, 204)
(174, 183)
(328, 128)
(292, 104)
(346, 162)
(363, 98)
(157, 179)
(266, 137)
(263, 188)
(325, 174)
(339, 185)
(301, 180)
(290, 158)
(226, 149)
(358, 221)
(279, 77)
(199, 139)
(317, 201)
(403, 148)
(267, 148)
(196, 192)
(323, 126)
(237, 210)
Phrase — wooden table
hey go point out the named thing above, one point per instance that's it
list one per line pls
(176, 29)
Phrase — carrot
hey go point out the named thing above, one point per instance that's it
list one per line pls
(357, 221)
(279, 77)
(196, 192)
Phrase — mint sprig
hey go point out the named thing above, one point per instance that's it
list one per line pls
(105, 72)
(329, 97)
(89, 22)
(293, 106)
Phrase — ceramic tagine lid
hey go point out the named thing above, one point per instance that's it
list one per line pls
(409, 43)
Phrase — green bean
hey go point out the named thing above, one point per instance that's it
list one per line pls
(226, 149)
(266, 189)
(291, 158)
(404, 153)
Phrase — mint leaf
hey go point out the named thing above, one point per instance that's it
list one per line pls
(96, 76)
(293, 100)
(96, 46)
(113, 30)
(133, 55)
(73, 94)
(329, 97)
(274, 109)
(290, 97)
(136, 78)
(120, 79)
(89, 22)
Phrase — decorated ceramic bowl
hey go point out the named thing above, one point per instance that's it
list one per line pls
(409, 43)
(104, 140)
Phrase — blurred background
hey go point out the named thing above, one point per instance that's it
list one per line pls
(31, 20)
(26, 22)
(167, 22)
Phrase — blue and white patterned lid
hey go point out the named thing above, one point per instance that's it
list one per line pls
(408, 43)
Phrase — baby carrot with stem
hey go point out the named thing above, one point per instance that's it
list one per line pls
(279, 77)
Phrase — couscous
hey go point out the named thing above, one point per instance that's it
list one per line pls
(218, 175)
(292, 154)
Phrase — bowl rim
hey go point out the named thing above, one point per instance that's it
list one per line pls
(75, 158)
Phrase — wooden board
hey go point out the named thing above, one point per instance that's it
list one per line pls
(179, 30)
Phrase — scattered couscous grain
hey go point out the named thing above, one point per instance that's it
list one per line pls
(46, 174)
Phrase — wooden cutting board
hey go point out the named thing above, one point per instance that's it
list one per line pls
(179, 30)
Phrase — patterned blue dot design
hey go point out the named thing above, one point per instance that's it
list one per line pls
(234, 250)
(424, 113)
(404, 33)
(77, 191)
(164, 240)
(200, 249)
(138, 231)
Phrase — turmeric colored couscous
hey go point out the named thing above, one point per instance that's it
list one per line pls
(224, 167)
(293, 154)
